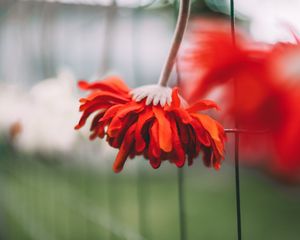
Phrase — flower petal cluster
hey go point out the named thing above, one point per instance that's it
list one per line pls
(172, 132)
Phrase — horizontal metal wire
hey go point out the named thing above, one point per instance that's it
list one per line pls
(246, 131)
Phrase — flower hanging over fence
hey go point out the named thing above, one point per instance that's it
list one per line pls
(172, 132)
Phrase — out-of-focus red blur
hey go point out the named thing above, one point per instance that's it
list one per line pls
(265, 94)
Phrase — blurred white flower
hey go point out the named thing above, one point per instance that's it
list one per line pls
(48, 122)
(42, 120)
(46, 114)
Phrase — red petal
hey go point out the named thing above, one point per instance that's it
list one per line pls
(155, 163)
(105, 96)
(95, 121)
(142, 119)
(153, 149)
(177, 147)
(130, 107)
(192, 149)
(111, 112)
(101, 100)
(202, 105)
(98, 132)
(183, 133)
(201, 134)
(117, 124)
(175, 98)
(96, 127)
(124, 150)
(217, 165)
(208, 157)
(86, 114)
(117, 121)
(183, 115)
(119, 134)
(210, 125)
(215, 131)
(111, 84)
(164, 129)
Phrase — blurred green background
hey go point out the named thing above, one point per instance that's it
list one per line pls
(45, 198)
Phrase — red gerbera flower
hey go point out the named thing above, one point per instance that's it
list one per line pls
(174, 133)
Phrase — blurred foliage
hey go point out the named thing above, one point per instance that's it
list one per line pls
(58, 200)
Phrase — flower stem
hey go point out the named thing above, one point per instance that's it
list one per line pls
(183, 15)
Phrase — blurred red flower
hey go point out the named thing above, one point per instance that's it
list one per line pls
(283, 67)
(211, 58)
(267, 80)
(158, 133)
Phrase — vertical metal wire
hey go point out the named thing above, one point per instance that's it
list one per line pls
(112, 202)
(142, 196)
(110, 16)
(237, 186)
(182, 213)
(142, 178)
(232, 20)
(180, 171)
(46, 44)
(236, 137)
